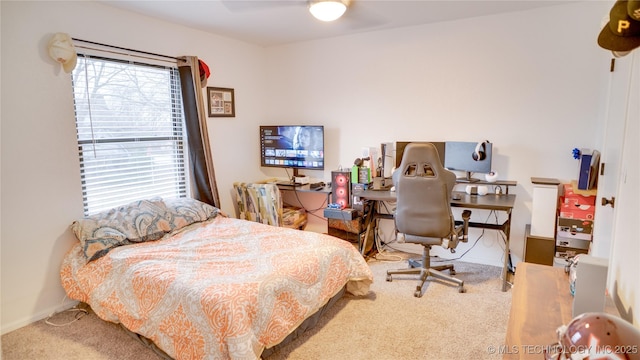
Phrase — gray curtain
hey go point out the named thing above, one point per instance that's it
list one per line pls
(203, 183)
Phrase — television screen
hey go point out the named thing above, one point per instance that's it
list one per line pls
(459, 155)
(288, 146)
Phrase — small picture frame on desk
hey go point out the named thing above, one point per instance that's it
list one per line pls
(221, 102)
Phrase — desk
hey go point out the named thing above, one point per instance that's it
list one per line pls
(502, 183)
(541, 302)
(487, 202)
(314, 201)
(305, 188)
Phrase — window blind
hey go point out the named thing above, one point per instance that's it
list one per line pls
(129, 123)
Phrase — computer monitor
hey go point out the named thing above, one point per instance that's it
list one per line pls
(292, 146)
(470, 157)
(400, 145)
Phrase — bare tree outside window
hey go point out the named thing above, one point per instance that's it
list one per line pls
(129, 123)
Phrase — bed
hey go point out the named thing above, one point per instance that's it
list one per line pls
(201, 285)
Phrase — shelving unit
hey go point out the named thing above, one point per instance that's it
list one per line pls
(561, 222)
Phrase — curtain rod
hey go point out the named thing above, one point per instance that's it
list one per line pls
(126, 49)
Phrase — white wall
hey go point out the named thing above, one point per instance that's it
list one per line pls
(41, 191)
(532, 83)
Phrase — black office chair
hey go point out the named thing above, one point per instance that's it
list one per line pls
(423, 211)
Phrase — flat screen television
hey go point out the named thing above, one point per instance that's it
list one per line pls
(463, 156)
(292, 146)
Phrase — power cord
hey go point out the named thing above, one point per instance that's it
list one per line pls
(324, 203)
(466, 252)
(79, 314)
(377, 236)
(492, 212)
(387, 255)
(504, 242)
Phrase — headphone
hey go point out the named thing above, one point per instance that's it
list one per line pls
(480, 153)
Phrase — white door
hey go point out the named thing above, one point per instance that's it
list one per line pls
(608, 181)
(623, 281)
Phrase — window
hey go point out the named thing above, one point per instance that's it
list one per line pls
(130, 123)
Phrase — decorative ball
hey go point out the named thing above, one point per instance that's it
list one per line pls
(491, 177)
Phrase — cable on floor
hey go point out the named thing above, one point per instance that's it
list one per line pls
(79, 314)
(492, 212)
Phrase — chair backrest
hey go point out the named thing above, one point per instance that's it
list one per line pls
(423, 192)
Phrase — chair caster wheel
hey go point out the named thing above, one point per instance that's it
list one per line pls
(389, 277)
(417, 294)
(462, 290)
(452, 272)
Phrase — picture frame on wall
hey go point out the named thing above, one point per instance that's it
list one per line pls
(221, 102)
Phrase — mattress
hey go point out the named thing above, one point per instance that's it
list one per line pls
(219, 289)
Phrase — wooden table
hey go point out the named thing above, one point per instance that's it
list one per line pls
(541, 302)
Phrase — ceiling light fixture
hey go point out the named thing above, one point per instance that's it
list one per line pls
(327, 10)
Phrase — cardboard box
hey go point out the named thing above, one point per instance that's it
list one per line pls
(352, 226)
(574, 235)
(572, 198)
(344, 235)
(538, 250)
(573, 243)
(568, 253)
(584, 226)
(574, 211)
(581, 229)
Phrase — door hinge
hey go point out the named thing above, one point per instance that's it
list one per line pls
(612, 67)
(601, 168)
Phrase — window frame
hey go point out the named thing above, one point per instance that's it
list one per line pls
(177, 140)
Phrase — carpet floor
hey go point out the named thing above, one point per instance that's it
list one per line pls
(388, 323)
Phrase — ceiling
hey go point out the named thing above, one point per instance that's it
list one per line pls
(277, 22)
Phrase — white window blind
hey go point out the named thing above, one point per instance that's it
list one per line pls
(130, 124)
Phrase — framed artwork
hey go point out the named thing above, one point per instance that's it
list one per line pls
(221, 102)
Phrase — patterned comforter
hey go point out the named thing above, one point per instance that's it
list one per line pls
(220, 289)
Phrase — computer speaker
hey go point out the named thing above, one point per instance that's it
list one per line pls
(341, 188)
(477, 190)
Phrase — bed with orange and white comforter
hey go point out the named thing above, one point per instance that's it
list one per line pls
(219, 289)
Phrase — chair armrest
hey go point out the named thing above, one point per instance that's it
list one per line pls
(462, 227)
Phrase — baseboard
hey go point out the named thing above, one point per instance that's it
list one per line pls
(15, 325)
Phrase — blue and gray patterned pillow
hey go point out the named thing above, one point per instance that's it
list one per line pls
(139, 221)
(186, 211)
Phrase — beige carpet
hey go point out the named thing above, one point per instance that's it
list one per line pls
(389, 323)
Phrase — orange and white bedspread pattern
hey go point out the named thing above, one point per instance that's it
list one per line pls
(221, 289)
